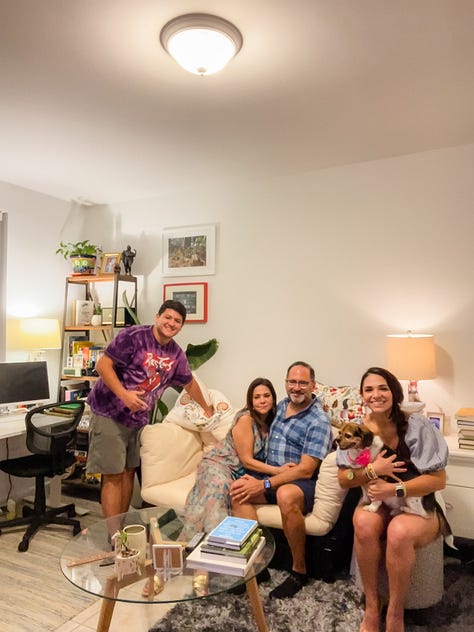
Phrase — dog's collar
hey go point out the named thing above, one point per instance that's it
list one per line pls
(363, 458)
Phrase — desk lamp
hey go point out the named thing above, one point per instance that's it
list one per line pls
(411, 357)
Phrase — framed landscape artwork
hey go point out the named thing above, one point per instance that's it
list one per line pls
(189, 250)
(192, 295)
(437, 419)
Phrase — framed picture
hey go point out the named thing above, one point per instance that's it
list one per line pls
(437, 419)
(189, 251)
(192, 295)
(109, 261)
(83, 311)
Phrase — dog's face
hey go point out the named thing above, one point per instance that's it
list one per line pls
(353, 435)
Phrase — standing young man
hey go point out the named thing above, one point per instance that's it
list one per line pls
(136, 368)
(300, 434)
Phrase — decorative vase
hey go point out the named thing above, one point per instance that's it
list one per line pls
(83, 264)
(96, 320)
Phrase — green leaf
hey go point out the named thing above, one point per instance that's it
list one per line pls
(198, 354)
(130, 309)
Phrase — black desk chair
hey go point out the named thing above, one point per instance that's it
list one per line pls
(50, 436)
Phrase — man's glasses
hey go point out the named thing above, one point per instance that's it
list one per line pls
(300, 383)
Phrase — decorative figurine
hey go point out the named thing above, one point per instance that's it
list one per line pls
(128, 255)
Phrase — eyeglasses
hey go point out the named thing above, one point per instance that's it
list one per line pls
(300, 383)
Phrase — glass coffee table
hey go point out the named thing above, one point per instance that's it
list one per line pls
(87, 561)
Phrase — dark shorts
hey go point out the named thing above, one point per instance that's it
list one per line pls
(307, 486)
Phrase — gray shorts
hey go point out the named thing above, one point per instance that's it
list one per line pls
(113, 447)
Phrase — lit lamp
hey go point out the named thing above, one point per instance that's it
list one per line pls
(411, 357)
(200, 43)
(33, 334)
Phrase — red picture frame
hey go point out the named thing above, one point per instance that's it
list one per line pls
(192, 295)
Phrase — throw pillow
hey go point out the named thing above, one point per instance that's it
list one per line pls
(328, 498)
(341, 403)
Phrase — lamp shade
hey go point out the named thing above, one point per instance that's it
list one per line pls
(200, 43)
(33, 333)
(411, 356)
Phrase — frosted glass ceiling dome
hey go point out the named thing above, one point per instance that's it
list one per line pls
(202, 44)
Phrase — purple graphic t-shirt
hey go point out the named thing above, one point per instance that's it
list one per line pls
(141, 363)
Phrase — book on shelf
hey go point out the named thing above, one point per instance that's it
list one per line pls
(465, 414)
(217, 564)
(232, 532)
(465, 424)
(210, 551)
(466, 445)
(466, 432)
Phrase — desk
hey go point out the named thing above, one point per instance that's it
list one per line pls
(13, 425)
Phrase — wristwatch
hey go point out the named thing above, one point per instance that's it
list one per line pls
(266, 483)
(400, 491)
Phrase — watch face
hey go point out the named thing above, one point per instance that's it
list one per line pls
(400, 491)
(350, 474)
(266, 483)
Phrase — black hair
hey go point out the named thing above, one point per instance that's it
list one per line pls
(396, 414)
(306, 365)
(177, 306)
(261, 381)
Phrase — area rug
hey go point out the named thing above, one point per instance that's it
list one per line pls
(320, 607)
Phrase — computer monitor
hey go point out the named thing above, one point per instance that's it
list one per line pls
(22, 383)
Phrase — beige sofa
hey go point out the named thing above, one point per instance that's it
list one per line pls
(171, 451)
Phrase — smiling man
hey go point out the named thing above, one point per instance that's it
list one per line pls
(136, 368)
(300, 434)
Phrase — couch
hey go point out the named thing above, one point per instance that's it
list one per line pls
(171, 451)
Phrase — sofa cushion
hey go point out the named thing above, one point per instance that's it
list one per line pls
(339, 402)
(168, 452)
(188, 414)
(328, 499)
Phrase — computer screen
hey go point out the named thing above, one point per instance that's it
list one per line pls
(23, 383)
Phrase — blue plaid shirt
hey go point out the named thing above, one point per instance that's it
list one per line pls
(308, 432)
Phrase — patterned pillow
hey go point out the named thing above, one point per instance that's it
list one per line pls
(340, 402)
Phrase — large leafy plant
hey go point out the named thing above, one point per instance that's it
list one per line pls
(197, 355)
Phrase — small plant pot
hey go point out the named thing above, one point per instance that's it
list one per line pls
(83, 264)
(96, 320)
(127, 564)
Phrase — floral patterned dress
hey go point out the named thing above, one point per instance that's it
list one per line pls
(208, 502)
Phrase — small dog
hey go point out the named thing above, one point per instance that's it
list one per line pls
(361, 447)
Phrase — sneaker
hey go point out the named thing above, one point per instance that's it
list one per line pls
(292, 584)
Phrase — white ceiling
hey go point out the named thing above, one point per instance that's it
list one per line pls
(92, 107)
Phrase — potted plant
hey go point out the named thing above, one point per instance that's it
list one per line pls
(96, 320)
(126, 558)
(82, 255)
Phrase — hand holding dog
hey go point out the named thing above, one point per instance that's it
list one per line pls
(388, 466)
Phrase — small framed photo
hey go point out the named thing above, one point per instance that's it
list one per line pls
(83, 311)
(189, 251)
(192, 295)
(109, 261)
(437, 419)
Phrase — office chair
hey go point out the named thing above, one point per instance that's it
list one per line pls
(50, 436)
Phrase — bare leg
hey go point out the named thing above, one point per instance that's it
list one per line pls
(291, 501)
(405, 533)
(368, 528)
(116, 494)
(244, 510)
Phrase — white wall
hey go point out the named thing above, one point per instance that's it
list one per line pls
(316, 266)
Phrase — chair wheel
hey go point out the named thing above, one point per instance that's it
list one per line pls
(23, 546)
(76, 530)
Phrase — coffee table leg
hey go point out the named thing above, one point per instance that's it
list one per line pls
(256, 603)
(108, 605)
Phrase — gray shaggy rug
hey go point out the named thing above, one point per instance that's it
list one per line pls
(320, 607)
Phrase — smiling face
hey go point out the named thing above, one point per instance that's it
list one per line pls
(167, 325)
(299, 386)
(262, 400)
(376, 394)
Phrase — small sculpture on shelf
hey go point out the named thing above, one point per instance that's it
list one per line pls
(128, 255)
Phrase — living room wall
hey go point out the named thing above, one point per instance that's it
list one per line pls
(317, 266)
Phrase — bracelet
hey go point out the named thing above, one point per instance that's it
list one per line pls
(370, 472)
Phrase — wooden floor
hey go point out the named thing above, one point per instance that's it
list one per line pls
(36, 597)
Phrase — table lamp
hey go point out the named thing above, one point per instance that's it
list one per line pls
(33, 334)
(411, 357)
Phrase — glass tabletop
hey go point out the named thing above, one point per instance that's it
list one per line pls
(88, 561)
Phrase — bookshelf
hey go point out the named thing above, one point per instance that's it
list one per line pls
(83, 343)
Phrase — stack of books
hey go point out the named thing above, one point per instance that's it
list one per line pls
(230, 548)
(465, 423)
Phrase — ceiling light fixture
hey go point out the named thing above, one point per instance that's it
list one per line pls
(202, 44)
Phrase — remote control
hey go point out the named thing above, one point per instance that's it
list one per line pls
(194, 541)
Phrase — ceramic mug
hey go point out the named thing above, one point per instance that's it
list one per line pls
(136, 539)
